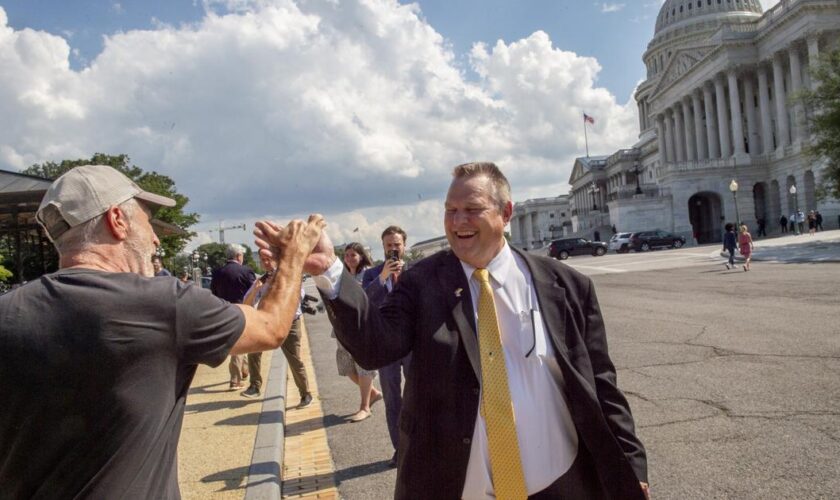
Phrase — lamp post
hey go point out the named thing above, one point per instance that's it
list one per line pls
(733, 186)
(637, 172)
(594, 190)
(196, 271)
(795, 210)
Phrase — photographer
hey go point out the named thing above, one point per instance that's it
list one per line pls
(378, 282)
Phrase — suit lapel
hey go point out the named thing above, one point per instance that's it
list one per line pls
(551, 298)
(456, 290)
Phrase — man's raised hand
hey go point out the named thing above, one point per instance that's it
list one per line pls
(296, 239)
(307, 238)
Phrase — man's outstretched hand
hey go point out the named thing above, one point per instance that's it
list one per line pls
(307, 239)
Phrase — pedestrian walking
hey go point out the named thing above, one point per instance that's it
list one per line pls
(730, 241)
(98, 356)
(762, 226)
(745, 244)
(356, 262)
(819, 220)
(783, 223)
(812, 223)
(800, 221)
(231, 282)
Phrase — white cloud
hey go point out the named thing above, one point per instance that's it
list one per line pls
(355, 109)
(611, 7)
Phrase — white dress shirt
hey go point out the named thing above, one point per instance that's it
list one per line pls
(547, 436)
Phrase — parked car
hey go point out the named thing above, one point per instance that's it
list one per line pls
(646, 240)
(620, 242)
(562, 249)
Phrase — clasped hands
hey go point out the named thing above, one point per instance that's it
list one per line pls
(295, 242)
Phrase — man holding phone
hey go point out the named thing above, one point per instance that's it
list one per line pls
(378, 282)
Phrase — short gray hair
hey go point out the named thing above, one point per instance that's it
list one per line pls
(501, 186)
(80, 238)
(232, 250)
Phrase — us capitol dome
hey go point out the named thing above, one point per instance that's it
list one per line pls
(716, 105)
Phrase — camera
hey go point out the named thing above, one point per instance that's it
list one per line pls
(394, 255)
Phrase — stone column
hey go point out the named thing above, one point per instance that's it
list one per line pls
(782, 130)
(699, 132)
(796, 86)
(711, 123)
(737, 119)
(641, 115)
(764, 109)
(669, 136)
(749, 108)
(660, 137)
(688, 125)
(679, 135)
(529, 231)
(813, 57)
(723, 127)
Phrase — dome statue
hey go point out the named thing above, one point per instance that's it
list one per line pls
(686, 12)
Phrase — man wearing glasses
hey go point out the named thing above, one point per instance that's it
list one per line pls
(511, 392)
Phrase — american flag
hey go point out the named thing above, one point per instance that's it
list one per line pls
(588, 119)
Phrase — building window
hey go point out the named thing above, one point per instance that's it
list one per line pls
(562, 214)
(551, 215)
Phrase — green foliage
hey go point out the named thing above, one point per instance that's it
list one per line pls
(825, 121)
(5, 274)
(412, 255)
(149, 181)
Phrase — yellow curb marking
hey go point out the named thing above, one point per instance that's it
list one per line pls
(308, 470)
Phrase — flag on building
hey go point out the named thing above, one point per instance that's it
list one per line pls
(588, 119)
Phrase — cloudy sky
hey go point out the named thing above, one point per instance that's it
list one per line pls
(357, 109)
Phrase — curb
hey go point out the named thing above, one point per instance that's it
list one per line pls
(264, 473)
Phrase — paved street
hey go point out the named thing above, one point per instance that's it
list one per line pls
(732, 377)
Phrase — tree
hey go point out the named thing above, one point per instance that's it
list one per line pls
(824, 99)
(5, 274)
(149, 181)
(412, 255)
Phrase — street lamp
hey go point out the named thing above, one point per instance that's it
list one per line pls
(733, 186)
(637, 172)
(594, 190)
(795, 210)
(196, 269)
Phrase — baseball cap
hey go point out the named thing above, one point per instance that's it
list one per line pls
(87, 191)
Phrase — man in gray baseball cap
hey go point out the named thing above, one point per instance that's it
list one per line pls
(98, 356)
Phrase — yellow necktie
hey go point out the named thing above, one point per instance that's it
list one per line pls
(496, 406)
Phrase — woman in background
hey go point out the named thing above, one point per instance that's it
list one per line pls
(356, 260)
(745, 243)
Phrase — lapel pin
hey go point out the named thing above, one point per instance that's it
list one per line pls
(458, 292)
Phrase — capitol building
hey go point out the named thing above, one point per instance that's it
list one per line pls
(716, 106)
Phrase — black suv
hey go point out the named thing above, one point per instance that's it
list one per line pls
(645, 240)
(562, 249)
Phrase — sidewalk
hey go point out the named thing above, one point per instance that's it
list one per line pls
(228, 446)
(823, 246)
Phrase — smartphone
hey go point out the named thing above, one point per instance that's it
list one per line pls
(394, 255)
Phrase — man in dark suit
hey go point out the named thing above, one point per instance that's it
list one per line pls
(564, 430)
(378, 282)
(231, 282)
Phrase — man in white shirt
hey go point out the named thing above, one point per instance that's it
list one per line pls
(574, 434)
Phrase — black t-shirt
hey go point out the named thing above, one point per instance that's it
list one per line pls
(94, 373)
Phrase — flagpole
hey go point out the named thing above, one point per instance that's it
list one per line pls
(585, 137)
